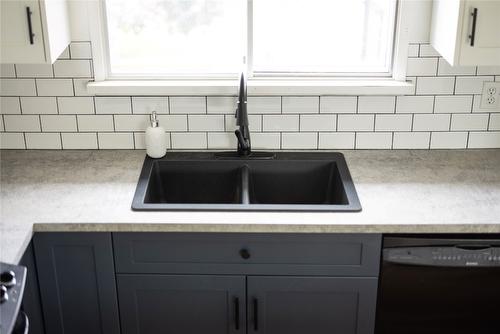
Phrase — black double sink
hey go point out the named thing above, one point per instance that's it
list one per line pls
(288, 182)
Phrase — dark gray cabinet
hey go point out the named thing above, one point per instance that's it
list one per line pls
(77, 283)
(31, 299)
(192, 304)
(295, 283)
(183, 283)
(304, 305)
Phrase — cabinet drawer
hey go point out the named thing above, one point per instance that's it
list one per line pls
(250, 254)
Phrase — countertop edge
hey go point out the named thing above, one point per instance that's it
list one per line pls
(267, 228)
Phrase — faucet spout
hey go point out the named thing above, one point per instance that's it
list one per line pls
(243, 131)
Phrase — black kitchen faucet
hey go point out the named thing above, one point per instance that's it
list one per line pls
(243, 132)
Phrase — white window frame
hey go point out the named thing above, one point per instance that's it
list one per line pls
(317, 84)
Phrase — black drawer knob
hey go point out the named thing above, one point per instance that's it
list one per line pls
(245, 254)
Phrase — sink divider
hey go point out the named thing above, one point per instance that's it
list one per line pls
(245, 181)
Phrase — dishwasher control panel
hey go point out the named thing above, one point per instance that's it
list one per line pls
(444, 256)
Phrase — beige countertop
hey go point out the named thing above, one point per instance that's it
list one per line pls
(400, 191)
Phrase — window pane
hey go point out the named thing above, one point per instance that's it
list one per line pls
(155, 37)
(323, 35)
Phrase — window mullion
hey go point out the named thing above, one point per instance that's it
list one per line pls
(249, 49)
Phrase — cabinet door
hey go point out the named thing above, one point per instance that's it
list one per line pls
(305, 305)
(31, 298)
(14, 33)
(486, 48)
(77, 283)
(182, 304)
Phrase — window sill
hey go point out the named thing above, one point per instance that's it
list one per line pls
(255, 87)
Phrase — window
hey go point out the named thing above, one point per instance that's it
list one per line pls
(211, 38)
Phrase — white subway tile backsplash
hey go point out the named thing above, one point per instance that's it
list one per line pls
(222, 140)
(80, 86)
(221, 104)
(411, 140)
(38, 105)
(7, 71)
(338, 104)
(435, 85)
(299, 141)
(377, 141)
(205, 123)
(34, 71)
(376, 104)
(453, 104)
(422, 66)
(54, 87)
(469, 122)
(79, 141)
(393, 122)
(471, 85)
(43, 141)
(57, 112)
(76, 105)
(336, 141)
(128, 123)
(140, 140)
(95, 123)
(12, 141)
(189, 140)
(79, 68)
(113, 105)
(173, 123)
(488, 70)
(81, 50)
(115, 141)
(188, 105)
(146, 105)
(431, 122)
(10, 105)
(300, 104)
(58, 123)
(273, 123)
(448, 140)
(415, 104)
(255, 123)
(447, 69)
(322, 122)
(356, 123)
(484, 140)
(426, 50)
(494, 122)
(20, 123)
(413, 82)
(266, 141)
(264, 105)
(17, 87)
(413, 50)
(64, 54)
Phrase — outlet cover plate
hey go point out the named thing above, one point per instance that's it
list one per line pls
(487, 97)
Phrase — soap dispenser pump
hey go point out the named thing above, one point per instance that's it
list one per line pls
(156, 139)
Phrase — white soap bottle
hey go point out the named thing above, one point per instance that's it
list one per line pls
(156, 139)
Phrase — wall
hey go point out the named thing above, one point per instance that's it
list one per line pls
(47, 107)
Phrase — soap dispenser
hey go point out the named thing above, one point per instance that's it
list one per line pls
(156, 139)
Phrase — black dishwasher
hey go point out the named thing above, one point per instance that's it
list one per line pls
(442, 284)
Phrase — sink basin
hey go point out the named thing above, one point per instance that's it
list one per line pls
(300, 182)
(289, 182)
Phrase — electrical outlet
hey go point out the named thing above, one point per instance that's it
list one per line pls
(490, 99)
